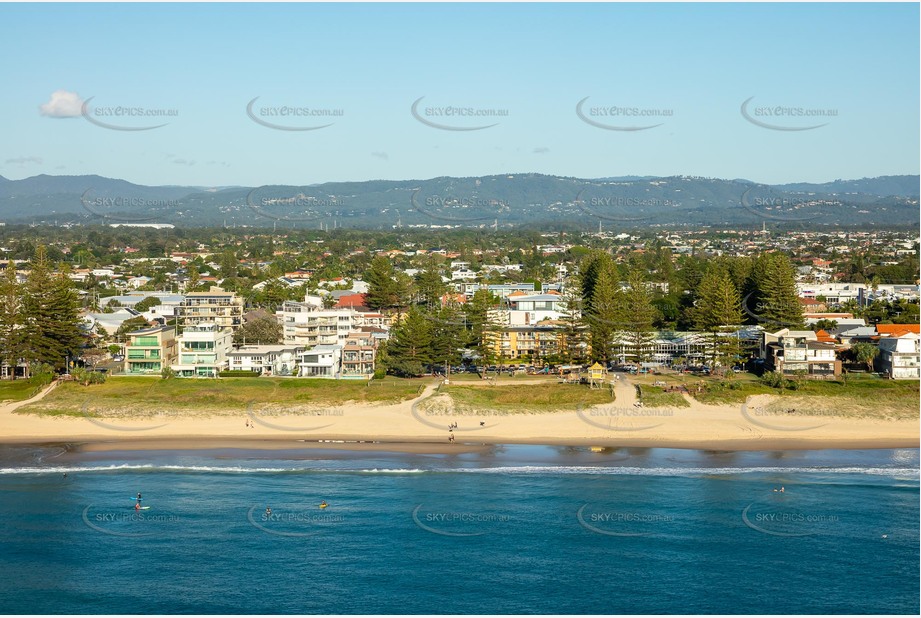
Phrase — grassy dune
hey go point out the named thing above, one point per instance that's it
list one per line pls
(524, 398)
(144, 396)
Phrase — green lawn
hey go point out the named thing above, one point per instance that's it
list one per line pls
(17, 390)
(144, 396)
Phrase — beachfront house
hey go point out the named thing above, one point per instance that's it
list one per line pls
(322, 361)
(900, 356)
(276, 360)
(203, 351)
(793, 351)
(149, 350)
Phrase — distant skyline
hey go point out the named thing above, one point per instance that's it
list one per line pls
(771, 93)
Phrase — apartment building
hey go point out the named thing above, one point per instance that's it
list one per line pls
(149, 350)
(203, 350)
(791, 351)
(359, 355)
(224, 309)
(307, 325)
(900, 356)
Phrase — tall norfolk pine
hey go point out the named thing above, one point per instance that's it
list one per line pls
(43, 326)
(718, 311)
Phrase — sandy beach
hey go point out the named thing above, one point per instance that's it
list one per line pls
(418, 424)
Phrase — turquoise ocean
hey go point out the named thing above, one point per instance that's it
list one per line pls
(509, 529)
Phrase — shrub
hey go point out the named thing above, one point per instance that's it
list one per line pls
(87, 377)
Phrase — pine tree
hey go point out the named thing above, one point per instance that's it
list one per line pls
(409, 348)
(447, 336)
(717, 311)
(777, 303)
(573, 331)
(636, 317)
(430, 286)
(604, 314)
(10, 319)
(483, 329)
(51, 309)
(382, 285)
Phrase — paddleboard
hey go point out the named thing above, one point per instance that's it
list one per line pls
(137, 499)
(143, 508)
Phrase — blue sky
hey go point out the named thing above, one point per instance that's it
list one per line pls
(689, 65)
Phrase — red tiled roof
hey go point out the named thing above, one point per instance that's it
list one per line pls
(351, 300)
(896, 330)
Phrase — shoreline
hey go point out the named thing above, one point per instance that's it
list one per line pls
(410, 445)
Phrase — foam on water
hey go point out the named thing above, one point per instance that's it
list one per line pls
(899, 473)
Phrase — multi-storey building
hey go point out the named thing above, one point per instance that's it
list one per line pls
(306, 325)
(203, 350)
(225, 309)
(792, 351)
(900, 356)
(358, 355)
(149, 350)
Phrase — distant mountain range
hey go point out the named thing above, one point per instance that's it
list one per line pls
(512, 200)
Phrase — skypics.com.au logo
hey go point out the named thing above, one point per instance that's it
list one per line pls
(618, 418)
(458, 523)
(622, 521)
(616, 117)
(291, 117)
(86, 413)
(620, 202)
(126, 208)
(292, 204)
(785, 117)
(456, 117)
(126, 117)
(322, 414)
(297, 521)
(129, 522)
(458, 208)
(766, 203)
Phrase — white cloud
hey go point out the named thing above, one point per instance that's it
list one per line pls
(24, 161)
(63, 104)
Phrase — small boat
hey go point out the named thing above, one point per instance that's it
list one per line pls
(597, 449)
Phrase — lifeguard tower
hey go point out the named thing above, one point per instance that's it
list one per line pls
(596, 375)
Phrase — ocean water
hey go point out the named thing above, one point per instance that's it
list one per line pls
(512, 529)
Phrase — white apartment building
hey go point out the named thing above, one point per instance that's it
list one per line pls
(276, 360)
(900, 357)
(306, 325)
(203, 350)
